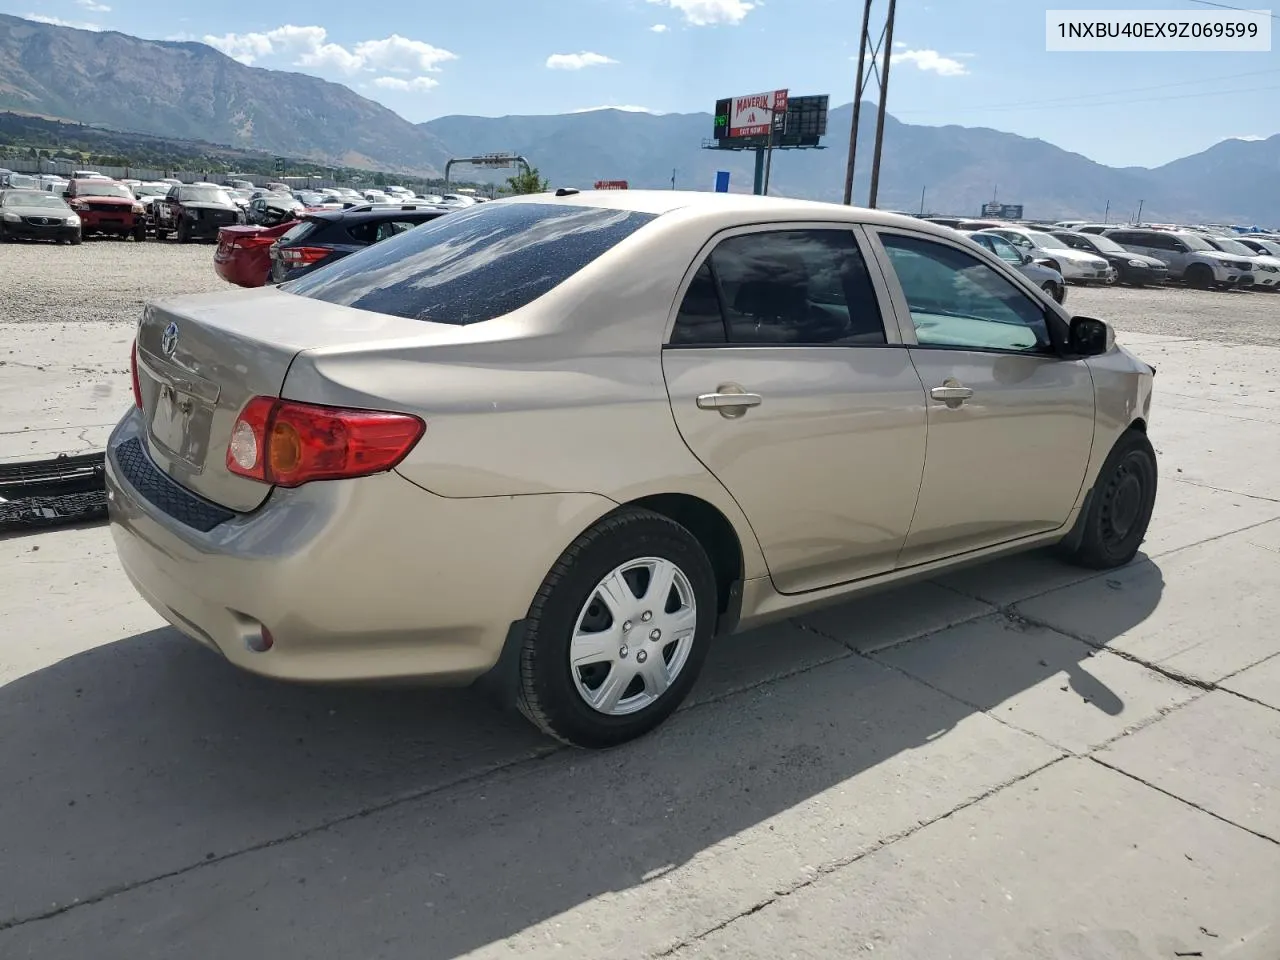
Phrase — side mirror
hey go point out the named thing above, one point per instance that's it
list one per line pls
(1179, 246)
(1089, 337)
(1026, 257)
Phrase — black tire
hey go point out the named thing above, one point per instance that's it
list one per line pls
(1054, 290)
(1199, 276)
(1115, 522)
(184, 232)
(547, 693)
(162, 235)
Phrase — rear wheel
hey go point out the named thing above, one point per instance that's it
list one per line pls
(1115, 522)
(162, 234)
(618, 632)
(1053, 289)
(1199, 276)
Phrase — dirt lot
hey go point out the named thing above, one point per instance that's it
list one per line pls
(108, 280)
(100, 280)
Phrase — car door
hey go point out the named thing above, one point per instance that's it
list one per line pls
(1010, 423)
(786, 383)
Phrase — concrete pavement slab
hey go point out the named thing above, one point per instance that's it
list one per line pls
(620, 853)
(883, 619)
(748, 659)
(1185, 514)
(1260, 682)
(1232, 453)
(1075, 863)
(1040, 681)
(63, 387)
(1208, 610)
(64, 592)
(1220, 753)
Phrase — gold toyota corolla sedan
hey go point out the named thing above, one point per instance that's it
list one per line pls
(557, 444)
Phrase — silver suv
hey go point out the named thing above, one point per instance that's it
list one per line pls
(1190, 257)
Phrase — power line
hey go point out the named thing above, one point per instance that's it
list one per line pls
(1093, 97)
(1227, 6)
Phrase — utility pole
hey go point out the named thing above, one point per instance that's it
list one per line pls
(1106, 213)
(880, 51)
(673, 178)
(922, 190)
(1140, 203)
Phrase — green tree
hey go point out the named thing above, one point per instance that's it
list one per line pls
(528, 181)
(379, 179)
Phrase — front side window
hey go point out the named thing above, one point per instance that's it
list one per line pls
(785, 287)
(956, 300)
(473, 265)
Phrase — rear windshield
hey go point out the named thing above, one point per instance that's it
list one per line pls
(473, 265)
(297, 232)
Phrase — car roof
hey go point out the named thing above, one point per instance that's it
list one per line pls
(735, 205)
(357, 214)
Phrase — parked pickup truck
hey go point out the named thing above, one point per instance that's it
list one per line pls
(105, 206)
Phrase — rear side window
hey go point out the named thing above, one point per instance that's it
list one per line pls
(472, 265)
(298, 232)
(782, 287)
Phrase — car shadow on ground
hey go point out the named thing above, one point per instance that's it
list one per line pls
(446, 819)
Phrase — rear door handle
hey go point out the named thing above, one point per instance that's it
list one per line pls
(728, 401)
(951, 393)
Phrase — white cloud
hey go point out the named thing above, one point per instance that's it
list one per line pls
(58, 22)
(625, 108)
(400, 83)
(897, 44)
(931, 61)
(309, 46)
(659, 28)
(705, 13)
(401, 55)
(577, 61)
(93, 6)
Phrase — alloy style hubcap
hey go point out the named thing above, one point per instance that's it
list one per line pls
(616, 668)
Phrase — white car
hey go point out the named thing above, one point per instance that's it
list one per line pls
(1076, 266)
(1266, 268)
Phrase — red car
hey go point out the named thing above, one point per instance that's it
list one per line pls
(105, 206)
(243, 256)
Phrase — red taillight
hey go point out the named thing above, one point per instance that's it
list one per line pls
(133, 371)
(303, 254)
(288, 444)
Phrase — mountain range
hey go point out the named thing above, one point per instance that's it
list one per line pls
(189, 90)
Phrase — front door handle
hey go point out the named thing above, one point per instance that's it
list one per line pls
(952, 393)
(730, 400)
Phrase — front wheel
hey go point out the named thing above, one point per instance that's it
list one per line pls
(1115, 521)
(618, 631)
(1054, 290)
(184, 232)
(1199, 276)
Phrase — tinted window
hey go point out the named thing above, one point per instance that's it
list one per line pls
(1004, 250)
(796, 286)
(700, 319)
(297, 232)
(956, 300)
(473, 265)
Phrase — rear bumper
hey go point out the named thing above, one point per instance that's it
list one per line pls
(243, 270)
(368, 579)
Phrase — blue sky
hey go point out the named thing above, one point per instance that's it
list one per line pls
(970, 62)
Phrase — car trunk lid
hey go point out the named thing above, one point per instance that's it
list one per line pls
(202, 358)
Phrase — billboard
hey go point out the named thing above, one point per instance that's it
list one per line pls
(796, 121)
(751, 115)
(612, 184)
(1002, 211)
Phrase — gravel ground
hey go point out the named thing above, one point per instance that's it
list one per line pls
(99, 281)
(108, 280)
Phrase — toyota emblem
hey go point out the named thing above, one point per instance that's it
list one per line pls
(169, 339)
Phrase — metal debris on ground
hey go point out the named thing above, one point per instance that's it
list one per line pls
(64, 489)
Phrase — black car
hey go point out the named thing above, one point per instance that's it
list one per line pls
(273, 209)
(321, 238)
(1133, 268)
(193, 211)
(37, 215)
